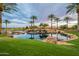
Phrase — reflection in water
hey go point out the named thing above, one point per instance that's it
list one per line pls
(41, 36)
(32, 36)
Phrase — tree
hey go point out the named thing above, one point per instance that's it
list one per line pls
(33, 19)
(63, 27)
(74, 7)
(31, 22)
(1, 9)
(43, 25)
(74, 27)
(57, 20)
(67, 20)
(6, 7)
(26, 27)
(51, 17)
(6, 22)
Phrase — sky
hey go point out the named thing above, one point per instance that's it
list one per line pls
(21, 18)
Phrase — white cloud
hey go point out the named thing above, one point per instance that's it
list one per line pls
(16, 20)
(16, 23)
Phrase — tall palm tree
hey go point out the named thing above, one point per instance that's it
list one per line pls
(33, 19)
(67, 20)
(32, 36)
(6, 22)
(51, 17)
(57, 20)
(1, 9)
(74, 7)
(31, 22)
(6, 7)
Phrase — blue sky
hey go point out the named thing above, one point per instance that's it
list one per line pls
(41, 10)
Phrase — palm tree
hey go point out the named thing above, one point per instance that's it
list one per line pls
(6, 22)
(1, 9)
(74, 7)
(51, 17)
(66, 19)
(32, 36)
(31, 22)
(33, 19)
(57, 20)
(6, 7)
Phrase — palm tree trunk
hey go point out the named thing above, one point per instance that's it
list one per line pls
(31, 25)
(0, 22)
(57, 28)
(1, 9)
(33, 22)
(51, 27)
(51, 23)
(67, 24)
(57, 24)
(67, 28)
(78, 23)
(6, 28)
(33, 28)
(78, 17)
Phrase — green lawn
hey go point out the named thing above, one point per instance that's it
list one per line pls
(17, 47)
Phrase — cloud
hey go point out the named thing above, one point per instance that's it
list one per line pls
(41, 10)
(18, 21)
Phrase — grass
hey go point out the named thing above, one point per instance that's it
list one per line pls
(21, 47)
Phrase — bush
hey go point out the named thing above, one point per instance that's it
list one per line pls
(63, 27)
(74, 27)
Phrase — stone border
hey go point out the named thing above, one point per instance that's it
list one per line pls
(54, 41)
(71, 36)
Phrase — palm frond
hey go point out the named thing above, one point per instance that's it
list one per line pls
(6, 21)
(51, 16)
(71, 8)
(56, 19)
(33, 17)
(9, 7)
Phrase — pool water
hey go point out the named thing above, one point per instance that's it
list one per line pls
(41, 36)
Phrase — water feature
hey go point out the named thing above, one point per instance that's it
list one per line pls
(41, 36)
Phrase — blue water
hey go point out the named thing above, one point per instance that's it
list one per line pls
(40, 37)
